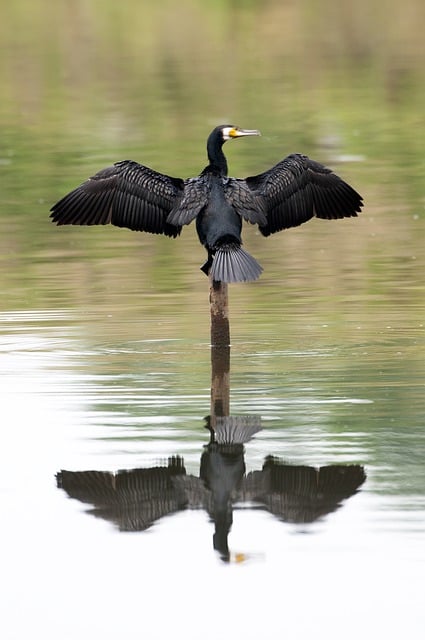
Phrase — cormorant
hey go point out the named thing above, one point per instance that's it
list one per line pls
(131, 195)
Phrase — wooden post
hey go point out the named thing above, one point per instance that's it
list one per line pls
(220, 350)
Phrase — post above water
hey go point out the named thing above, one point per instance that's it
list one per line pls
(219, 307)
(220, 350)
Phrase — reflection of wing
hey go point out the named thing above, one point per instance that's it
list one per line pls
(134, 499)
(131, 499)
(299, 493)
(297, 188)
(127, 194)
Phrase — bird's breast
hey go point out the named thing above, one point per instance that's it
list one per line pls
(218, 221)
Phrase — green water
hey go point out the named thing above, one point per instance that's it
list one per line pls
(104, 333)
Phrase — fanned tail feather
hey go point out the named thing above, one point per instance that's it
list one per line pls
(231, 263)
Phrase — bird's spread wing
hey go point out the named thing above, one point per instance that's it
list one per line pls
(193, 199)
(248, 204)
(125, 195)
(297, 188)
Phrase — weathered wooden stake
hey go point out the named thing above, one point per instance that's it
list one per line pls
(220, 350)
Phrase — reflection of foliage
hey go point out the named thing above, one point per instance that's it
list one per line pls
(83, 86)
(95, 74)
(134, 50)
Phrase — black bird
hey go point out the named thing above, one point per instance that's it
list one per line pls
(131, 195)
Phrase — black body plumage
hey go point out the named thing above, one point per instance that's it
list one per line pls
(131, 195)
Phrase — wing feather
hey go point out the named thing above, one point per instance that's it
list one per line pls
(128, 195)
(297, 189)
(246, 202)
(192, 201)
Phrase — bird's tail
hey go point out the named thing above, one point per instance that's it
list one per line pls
(231, 263)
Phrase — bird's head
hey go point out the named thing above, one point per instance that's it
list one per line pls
(229, 132)
(217, 138)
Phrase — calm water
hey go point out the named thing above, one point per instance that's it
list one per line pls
(105, 351)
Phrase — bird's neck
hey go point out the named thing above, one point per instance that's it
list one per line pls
(216, 157)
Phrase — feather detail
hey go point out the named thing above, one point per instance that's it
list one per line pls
(297, 189)
(231, 263)
(128, 195)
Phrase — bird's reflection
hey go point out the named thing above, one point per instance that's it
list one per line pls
(134, 499)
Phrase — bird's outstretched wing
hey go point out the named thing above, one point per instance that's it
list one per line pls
(193, 199)
(125, 195)
(297, 189)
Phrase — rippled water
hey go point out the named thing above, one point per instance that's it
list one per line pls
(79, 397)
(314, 525)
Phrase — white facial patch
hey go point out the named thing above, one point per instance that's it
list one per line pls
(228, 133)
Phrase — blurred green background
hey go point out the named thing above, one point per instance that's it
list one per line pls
(84, 83)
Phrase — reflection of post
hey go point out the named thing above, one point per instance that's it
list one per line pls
(220, 350)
